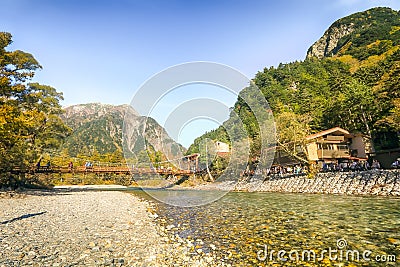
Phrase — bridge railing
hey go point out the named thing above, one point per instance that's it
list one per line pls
(121, 169)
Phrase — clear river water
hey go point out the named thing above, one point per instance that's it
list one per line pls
(276, 229)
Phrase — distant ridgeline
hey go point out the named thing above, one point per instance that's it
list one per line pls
(350, 79)
(97, 134)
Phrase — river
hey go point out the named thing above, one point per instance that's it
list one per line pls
(276, 229)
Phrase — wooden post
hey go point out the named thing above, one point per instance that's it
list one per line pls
(197, 163)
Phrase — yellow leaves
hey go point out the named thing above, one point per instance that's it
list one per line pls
(353, 62)
(394, 29)
(370, 61)
(6, 112)
(344, 48)
(375, 59)
(376, 43)
(4, 81)
(381, 83)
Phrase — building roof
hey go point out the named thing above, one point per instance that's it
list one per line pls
(192, 156)
(335, 130)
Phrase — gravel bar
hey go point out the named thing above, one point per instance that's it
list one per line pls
(86, 228)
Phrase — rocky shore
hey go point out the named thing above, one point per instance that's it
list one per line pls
(79, 226)
(364, 183)
(87, 228)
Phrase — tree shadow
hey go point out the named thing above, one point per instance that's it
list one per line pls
(23, 217)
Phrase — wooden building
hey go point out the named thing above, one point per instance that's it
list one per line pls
(222, 149)
(337, 143)
(332, 145)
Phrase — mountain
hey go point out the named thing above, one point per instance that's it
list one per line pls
(360, 35)
(98, 131)
(368, 43)
(349, 78)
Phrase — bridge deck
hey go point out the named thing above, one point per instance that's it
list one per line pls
(106, 170)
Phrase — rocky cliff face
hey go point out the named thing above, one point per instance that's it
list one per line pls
(99, 127)
(354, 35)
(327, 45)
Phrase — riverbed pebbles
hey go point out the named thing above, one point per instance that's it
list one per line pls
(87, 228)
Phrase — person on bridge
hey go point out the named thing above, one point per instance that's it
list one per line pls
(88, 165)
(38, 164)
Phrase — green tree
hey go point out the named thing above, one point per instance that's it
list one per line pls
(29, 112)
(394, 117)
(392, 91)
(353, 106)
(117, 156)
(292, 130)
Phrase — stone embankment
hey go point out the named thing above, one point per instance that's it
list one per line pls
(87, 228)
(373, 182)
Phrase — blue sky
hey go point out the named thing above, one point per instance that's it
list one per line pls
(102, 51)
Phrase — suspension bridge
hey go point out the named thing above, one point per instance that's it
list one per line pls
(188, 165)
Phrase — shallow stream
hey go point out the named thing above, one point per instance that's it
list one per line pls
(249, 229)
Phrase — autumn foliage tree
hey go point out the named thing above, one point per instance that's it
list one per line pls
(29, 121)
